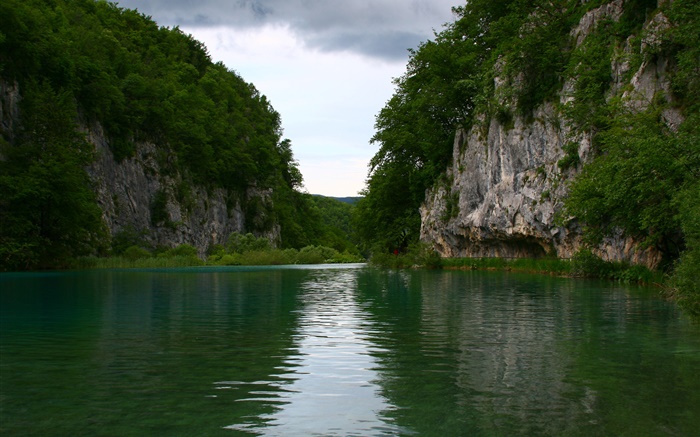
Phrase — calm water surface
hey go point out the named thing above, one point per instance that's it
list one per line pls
(341, 350)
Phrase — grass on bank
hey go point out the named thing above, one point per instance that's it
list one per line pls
(583, 264)
(245, 250)
(241, 255)
(682, 285)
(306, 255)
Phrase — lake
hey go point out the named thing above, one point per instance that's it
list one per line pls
(341, 350)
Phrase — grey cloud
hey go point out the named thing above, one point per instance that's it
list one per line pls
(387, 45)
(378, 28)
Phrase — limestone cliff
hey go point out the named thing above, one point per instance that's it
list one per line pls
(147, 194)
(144, 194)
(504, 189)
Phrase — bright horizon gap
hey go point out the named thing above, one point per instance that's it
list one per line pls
(326, 68)
(327, 101)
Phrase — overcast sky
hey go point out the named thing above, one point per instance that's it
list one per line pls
(325, 65)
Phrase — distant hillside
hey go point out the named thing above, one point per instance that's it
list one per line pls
(335, 214)
(350, 200)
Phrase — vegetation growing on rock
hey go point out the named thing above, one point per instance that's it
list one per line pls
(73, 65)
(643, 167)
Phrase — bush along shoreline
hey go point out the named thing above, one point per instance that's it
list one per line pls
(584, 264)
(248, 250)
(239, 250)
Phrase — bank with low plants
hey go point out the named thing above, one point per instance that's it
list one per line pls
(584, 264)
(240, 249)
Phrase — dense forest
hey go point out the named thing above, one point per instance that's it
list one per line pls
(80, 63)
(644, 177)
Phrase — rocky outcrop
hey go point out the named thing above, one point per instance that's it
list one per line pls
(9, 109)
(147, 194)
(144, 194)
(504, 190)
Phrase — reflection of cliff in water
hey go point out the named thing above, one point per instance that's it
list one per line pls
(510, 364)
(510, 352)
(342, 351)
(186, 336)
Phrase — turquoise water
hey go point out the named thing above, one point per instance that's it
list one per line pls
(341, 350)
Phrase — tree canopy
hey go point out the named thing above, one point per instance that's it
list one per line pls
(448, 85)
(84, 62)
(643, 173)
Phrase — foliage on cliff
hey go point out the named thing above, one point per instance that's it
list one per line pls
(642, 170)
(47, 210)
(449, 84)
(144, 83)
(645, 177)
(80, 63)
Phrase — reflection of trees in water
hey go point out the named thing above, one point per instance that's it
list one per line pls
(438, 353)
(504, 338)
(172, 341)
(479, 351)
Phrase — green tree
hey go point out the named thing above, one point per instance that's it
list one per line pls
(47, 211)
(632, 183)
(104, 65)
(639, 180)
(440, 92)
(686, 275)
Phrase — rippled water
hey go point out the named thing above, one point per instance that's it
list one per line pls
(341, 350)
(327, 384)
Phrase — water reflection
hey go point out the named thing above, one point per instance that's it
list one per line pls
(135, 353)
(328, 383)
(504, 346)
(477, 354)
(341, 351)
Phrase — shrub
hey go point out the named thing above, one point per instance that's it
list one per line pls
(216, 249)
(686, 281)
(133, 253)
(307, 255)
(239, 243)
(230, 260)
(571, 159)
(127, 237)
(159, 209)
(417, 255)
(585, 263)
(182, 250)
(316, 255)
(265, 258)
(346, 257)
(636, 273)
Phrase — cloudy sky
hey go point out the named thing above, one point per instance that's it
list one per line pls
(325, 65)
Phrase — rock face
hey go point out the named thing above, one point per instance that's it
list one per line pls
(145, 194)
(9, 104)
(139, 194)
(504, 188)
(503, 194)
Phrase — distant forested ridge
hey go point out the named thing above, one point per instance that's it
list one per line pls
(350, 200)
(76, 75)
(545, 126)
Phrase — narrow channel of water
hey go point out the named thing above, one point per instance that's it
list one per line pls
(341, 350)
